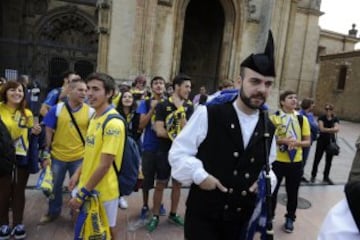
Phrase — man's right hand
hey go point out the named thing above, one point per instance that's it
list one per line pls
(211, 183)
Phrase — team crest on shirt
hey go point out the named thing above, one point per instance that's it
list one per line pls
(98, 125)
(90, 140)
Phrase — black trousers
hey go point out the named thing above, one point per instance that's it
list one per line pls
(201, 227)
(321, 146)
(292, 172)
(12, 193)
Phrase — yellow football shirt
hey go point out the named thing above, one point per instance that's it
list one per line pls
(18, 126)
(67, 145)
(97, 143)
(287, 125)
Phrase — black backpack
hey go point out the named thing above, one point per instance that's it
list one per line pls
(129, 171)
(7, 151)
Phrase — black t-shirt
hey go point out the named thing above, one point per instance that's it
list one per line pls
(328, 123)
(166, 112)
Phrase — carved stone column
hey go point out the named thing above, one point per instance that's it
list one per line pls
(287, 53)
(104, 23)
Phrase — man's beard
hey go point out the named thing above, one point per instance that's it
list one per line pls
(247, 100)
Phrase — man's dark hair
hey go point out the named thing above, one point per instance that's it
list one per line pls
(66, 74)
(180, 78)
(284, 94)
(107, 80)
(306, 103)
(76, 80)
(156, 78)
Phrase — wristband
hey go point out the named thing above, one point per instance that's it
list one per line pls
(83, 194)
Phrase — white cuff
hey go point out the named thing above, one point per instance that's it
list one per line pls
(199, 176)
(273, 180)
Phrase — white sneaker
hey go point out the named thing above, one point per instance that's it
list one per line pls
(123, 203)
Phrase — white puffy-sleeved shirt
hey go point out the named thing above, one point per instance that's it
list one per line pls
(188, 169)
(339, 224)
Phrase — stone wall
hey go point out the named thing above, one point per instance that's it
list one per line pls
(34, 31)
(145, 37)
(332, 42)
(345, 101)
(300, 66)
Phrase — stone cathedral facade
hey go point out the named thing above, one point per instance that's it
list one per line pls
(206, 39)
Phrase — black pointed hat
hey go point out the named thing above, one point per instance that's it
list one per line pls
(262, 63)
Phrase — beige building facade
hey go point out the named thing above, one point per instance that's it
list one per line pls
(339, 84)
(44, 38)
(206, 39)
(209, 41)
(332, 42)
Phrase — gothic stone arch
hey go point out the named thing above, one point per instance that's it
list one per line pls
(230, 30)
(64, 33)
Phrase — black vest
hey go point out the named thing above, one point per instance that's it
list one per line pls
(352, 193)
(223, 156)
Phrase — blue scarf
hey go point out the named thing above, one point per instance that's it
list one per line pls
(258, 220)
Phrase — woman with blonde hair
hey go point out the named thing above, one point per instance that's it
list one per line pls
(19, 123)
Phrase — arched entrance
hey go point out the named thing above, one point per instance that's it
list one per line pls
(202, 42)
(66, 41)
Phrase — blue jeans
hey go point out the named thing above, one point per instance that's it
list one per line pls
(59, 169)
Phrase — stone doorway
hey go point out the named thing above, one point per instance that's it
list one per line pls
(202, 43)
(58, 66)
(66, 40)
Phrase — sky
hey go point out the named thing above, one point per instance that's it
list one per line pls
(340, 15)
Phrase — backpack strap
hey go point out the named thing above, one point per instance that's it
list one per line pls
(112, 116)
(301, 120)
(75, 123)
(108, 118)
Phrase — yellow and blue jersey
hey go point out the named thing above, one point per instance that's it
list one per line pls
(18, 126)
(97, 143)
(287, 125)
(66, 144)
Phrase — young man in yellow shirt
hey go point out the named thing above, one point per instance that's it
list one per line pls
(67, 148)
(102, 148)
(291, 137)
